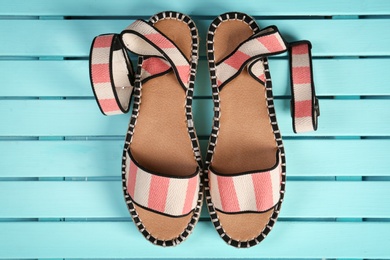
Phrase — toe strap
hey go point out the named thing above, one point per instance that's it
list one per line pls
(256, 191)
(173, 196)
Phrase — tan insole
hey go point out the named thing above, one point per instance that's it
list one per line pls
(245, 140)
(161, 142)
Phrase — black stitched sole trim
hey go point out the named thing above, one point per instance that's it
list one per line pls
(214, 133)
(191, 131)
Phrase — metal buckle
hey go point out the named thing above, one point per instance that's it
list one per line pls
(316, 107)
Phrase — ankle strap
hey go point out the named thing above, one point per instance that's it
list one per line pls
(269, 42)
(304, 103)
(111, 73)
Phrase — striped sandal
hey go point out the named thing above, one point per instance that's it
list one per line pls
(245, 166)
(162, 166)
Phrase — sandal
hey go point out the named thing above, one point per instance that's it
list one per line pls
(162, 166)
(245, 165)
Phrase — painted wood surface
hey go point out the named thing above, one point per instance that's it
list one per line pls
(60, 191)
(47, 37)
(103, 199)
(96, 240)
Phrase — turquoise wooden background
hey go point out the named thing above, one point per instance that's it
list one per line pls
(60, 190)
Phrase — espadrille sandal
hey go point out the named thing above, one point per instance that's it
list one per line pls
(245, 165)
(162, 165)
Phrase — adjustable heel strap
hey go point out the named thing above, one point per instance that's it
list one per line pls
(111, 73)
(304, 103)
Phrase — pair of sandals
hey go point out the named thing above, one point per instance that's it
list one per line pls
(164, 179)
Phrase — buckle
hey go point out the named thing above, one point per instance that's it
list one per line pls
(317, 113)
(316, 107)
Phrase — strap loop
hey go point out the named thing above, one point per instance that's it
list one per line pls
(111, 73)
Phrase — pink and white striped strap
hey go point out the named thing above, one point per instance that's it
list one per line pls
(153, 66)
(144, 39)
(247, 192)
(267, 42)
(111, 74)
(173, 196)
(304, 104)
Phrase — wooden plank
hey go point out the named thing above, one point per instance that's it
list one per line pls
(72, 38)
(38, 78)
(200, 7)
(342, 118)
(83, 118)
(337, 157)
(91, 159)
(121, 240)
(69, 78)
(61, 158)
(104, 199)
(338, 77)
(70, 117)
